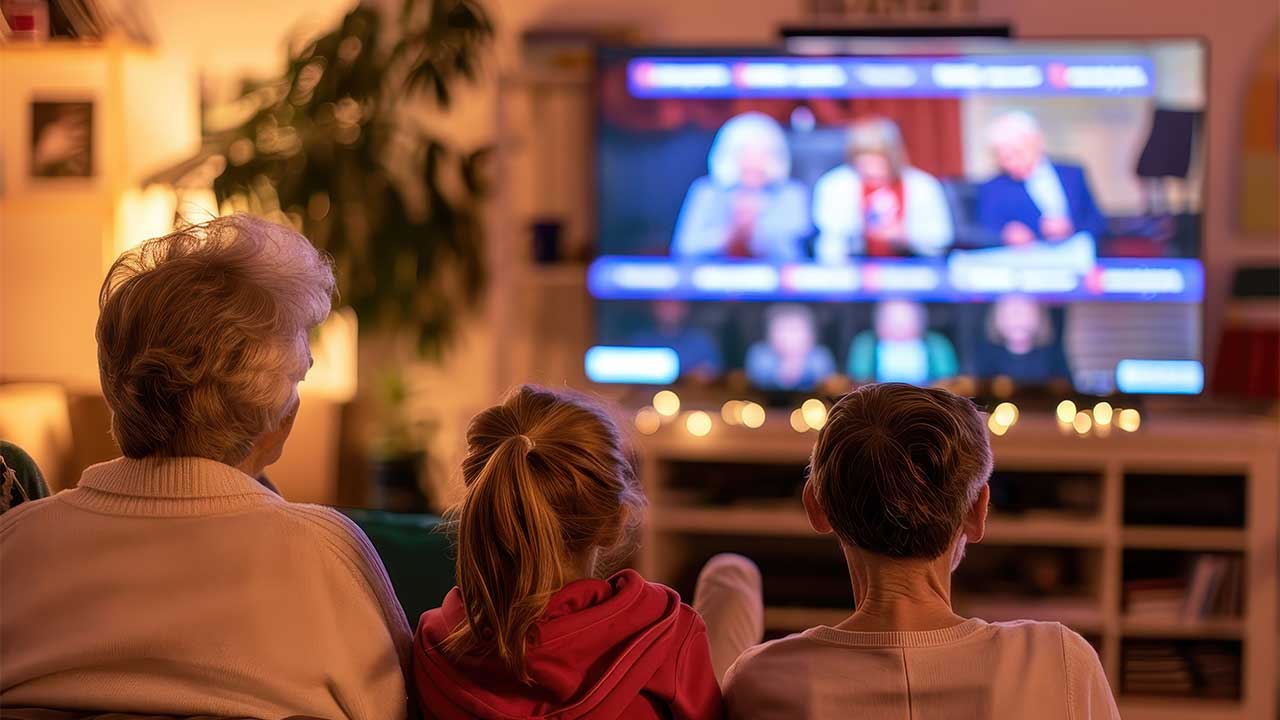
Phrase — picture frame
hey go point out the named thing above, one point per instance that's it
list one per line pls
(62, 142)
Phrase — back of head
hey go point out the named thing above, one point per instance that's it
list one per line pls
(548, 479)
(201, 334)
(897, 467)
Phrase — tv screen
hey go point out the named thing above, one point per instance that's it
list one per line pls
(1021, 210)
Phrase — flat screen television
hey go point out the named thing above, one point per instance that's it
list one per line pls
(1029, 210)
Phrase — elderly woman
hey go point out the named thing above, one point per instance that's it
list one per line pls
(748, 205)
(899, 476)
(877, 204)
(170, 581)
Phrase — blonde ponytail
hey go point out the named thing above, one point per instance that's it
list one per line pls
(547, 480)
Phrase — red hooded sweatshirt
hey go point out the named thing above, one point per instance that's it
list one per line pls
(604, 649)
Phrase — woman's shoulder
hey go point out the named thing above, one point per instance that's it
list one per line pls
(839, 175)
(912, 175)
(334, 537)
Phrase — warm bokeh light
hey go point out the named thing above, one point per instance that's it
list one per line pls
(1102, 413)
(667, 403)
(334, 355)
(648, 420)
(197, 204)
(752, 415)
(1002, 386)
(797, 421)
(1066, 412)
(698, 423)
(814, 413)
(995, 427)
(731, 412)
(1128, 420)
(142, 215)
(1005, 414)
(1082, 423)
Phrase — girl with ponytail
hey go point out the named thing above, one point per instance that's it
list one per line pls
(532, 630)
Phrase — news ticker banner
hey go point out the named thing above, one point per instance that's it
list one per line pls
(661, 366)
(942, 77)
(959, 278)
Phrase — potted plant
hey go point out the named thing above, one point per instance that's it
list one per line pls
(340, 148)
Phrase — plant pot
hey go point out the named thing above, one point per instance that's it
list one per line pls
(394, 484)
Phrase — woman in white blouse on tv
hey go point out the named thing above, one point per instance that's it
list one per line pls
(877, 204)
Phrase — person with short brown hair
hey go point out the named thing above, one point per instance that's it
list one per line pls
(899, 476)
(171, 581)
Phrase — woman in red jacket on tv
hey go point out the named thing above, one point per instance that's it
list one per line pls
(531, 631)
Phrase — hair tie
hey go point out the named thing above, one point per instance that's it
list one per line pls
(529, 445)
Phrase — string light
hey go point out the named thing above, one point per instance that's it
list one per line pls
(752, 415)
(648, 420)
(1102, 413)
(667, 403)
(698, 423)
(1065, 411)
(1128, 420)
(1005, 414)
(814, 413)
(731, 412)
(996, 428)
(797, 421)
(1082, 423)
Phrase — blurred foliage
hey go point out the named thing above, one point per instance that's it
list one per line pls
(341, 147)
(401, 432)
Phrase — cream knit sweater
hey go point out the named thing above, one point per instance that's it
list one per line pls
(972, 671)
(180, 586)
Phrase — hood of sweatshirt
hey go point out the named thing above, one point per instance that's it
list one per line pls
(598, 642)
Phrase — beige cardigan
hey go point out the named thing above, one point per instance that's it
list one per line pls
(180, 586)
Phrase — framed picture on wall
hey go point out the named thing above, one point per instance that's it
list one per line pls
(62, 139)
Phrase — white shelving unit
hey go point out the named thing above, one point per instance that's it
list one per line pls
(1195, 446)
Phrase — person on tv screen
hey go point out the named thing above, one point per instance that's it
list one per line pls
(789, 358)
(747, 205)
(1034, 199)
(698, 351)
(1021, 342)
(877, 204)
(900, 347)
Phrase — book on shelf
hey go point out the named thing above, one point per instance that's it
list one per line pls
(1155, 598)
(1212, 587)
(1198, 669)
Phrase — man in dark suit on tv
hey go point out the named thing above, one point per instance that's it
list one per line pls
(1034, 199)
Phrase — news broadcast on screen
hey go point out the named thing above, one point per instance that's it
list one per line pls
(1029, 210)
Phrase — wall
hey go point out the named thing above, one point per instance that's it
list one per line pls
(56, 234)
(227, 40)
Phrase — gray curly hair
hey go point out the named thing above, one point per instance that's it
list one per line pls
(202, 336)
